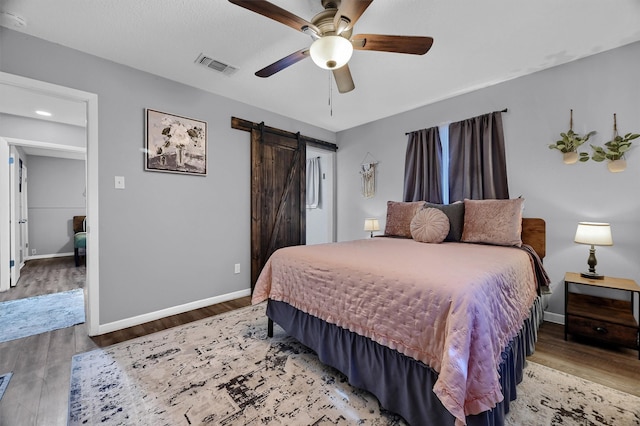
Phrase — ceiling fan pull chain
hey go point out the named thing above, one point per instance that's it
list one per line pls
(330, 96)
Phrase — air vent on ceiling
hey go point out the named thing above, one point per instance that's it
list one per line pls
(215, 65)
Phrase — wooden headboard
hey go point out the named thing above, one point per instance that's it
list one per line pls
(534, 234)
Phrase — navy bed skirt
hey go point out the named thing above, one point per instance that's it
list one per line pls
(400, 382)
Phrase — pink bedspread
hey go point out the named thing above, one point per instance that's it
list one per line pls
(453, 306)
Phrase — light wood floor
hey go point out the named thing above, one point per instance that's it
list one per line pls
(38, 393)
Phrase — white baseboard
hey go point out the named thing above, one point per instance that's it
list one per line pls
(174, 310)
(48, 256)
(554, 318)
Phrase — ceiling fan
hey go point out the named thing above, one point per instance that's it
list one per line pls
(333, 42)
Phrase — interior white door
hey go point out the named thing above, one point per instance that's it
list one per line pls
(13, 223)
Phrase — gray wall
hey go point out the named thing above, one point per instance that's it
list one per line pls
(166, 239)
(56, 193)
(563, 195)
(170, 239)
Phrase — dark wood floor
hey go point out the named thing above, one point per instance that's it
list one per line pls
(617, 368)
(38, 393)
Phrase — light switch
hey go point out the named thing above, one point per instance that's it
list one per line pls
(119, 182)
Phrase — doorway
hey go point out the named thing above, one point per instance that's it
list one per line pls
(278, 189)
(277, 195)
(321, 200)
(90, 102)
(59, 189)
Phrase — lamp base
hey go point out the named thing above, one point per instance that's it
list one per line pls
(591, 275)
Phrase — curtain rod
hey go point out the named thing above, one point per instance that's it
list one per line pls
(504, 110)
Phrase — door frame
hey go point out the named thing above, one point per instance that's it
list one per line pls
(92, 286)
(23, 176)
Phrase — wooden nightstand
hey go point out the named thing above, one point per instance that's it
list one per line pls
(600, 318)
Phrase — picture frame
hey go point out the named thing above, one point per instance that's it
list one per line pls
(175, 144)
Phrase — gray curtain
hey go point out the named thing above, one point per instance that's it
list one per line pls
(477, 165)
(422, 167)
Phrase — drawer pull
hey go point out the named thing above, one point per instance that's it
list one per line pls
(601, 330)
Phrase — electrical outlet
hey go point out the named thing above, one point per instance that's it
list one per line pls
(236, 269)
(33, 251)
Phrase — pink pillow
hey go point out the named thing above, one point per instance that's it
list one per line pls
(430, 225)
(399, 215)
(496, 222)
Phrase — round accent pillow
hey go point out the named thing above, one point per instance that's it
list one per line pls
(430, 226)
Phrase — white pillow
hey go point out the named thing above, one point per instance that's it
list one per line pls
(430, 225)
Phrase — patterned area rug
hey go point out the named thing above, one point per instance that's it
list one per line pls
(39, 314)
(551, 397)
(225, 371)
(4, 382)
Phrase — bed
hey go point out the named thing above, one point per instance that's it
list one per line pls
(437, 330)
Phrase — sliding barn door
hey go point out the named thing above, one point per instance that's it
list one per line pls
(278, 208)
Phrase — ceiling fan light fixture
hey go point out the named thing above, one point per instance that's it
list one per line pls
(331, 52)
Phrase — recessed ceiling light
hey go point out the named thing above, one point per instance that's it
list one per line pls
(44, 113)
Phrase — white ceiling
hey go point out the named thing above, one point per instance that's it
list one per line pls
(25, 103)
(477, 43)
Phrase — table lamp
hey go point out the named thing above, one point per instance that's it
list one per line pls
(594, 234)
(371, 225)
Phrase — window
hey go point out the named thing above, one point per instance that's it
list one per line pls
(452, 162)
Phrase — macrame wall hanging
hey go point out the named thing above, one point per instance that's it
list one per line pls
(368, 176)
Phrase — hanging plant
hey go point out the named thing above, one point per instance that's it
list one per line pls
(569, 144)
(614, 150)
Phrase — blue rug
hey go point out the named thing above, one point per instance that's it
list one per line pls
(4, 382)
(39, 314)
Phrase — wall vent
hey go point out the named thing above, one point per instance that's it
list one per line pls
(216, 65)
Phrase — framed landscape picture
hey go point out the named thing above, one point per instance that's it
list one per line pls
(175, 144)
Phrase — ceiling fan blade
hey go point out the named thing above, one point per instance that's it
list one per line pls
(283, 63)
(348, 13)
(276, 13)
(344, 81)
(415, 45)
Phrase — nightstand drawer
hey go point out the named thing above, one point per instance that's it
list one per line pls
(602, 330)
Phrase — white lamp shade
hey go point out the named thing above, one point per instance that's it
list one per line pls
(595, 233)
(371, 225)
(331, 52)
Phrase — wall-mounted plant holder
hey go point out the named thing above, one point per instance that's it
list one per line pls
(570, 157)
(615, 149)
(570, 143)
